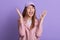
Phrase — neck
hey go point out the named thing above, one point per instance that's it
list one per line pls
(29, 18)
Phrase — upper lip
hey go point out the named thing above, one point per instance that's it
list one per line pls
(30, 12)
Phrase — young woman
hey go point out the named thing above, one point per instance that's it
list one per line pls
(30, 28)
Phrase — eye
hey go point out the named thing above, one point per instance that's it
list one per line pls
(28, 8)
(32, 7)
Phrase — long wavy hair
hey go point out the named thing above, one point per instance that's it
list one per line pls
(33, 17)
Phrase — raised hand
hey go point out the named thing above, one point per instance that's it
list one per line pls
(43, 16)
(20, 24)
(20, 15)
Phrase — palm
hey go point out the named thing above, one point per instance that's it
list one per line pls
(20, 15)
(43, 14)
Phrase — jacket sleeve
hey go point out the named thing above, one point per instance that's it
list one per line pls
(21, 28)
(38, 29)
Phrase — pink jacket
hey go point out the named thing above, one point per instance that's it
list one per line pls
(26, 34)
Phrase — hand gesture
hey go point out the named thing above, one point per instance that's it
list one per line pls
(20, 15)
(43, 16)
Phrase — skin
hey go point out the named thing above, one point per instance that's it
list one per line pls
(42, 16)
(30, 13)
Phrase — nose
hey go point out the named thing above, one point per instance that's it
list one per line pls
(30, 9)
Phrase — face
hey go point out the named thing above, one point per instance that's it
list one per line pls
(30, 11)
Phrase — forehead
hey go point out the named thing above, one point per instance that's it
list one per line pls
(31, 5)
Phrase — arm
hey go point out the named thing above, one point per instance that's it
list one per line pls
(40, 22)
(20, 24)
(21, 28)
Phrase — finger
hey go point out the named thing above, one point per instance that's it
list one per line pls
(44, 13)
(18, 12)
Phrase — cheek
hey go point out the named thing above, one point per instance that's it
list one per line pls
(28, 10)
(33, 10)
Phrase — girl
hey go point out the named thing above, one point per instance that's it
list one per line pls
(30, 28)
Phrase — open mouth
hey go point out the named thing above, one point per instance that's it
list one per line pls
(30, 13)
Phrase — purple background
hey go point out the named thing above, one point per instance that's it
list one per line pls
(8, 18)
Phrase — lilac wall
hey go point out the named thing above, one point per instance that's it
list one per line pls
(8, 18)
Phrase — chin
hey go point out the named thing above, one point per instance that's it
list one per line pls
(31, 15)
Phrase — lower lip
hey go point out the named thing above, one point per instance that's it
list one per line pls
(31, 13)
